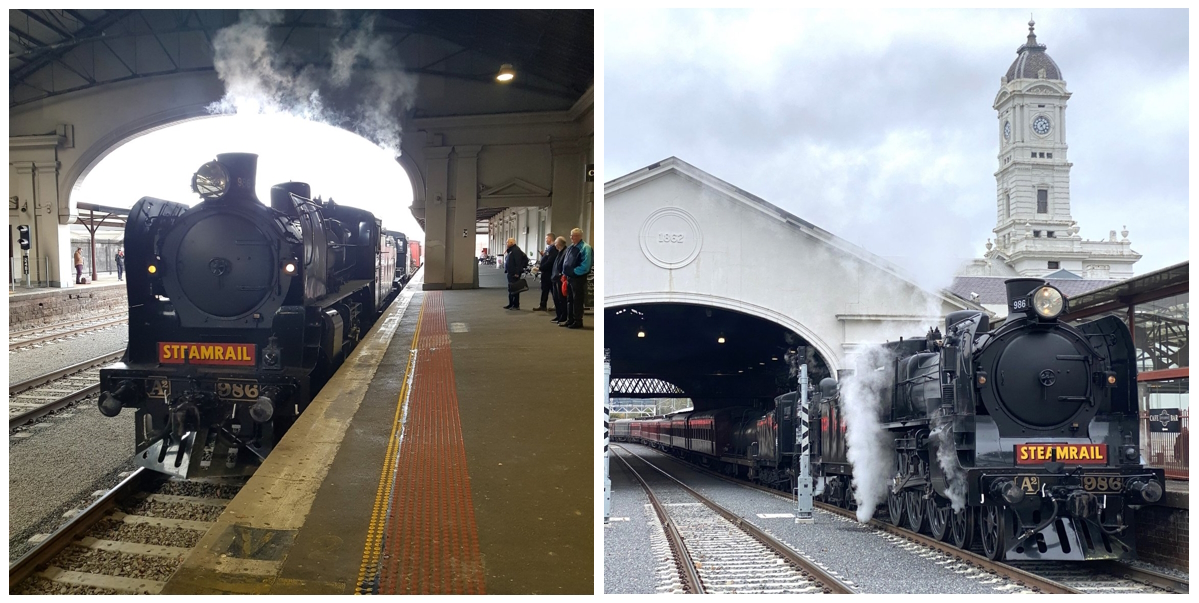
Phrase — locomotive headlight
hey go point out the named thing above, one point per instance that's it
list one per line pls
(289, 268)
(1048, 302)
(152, 269)
(211, 181)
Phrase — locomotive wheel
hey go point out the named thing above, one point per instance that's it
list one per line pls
(992, 526)
(961, 528)
(895, 508)
(938, 519)
(914, 507)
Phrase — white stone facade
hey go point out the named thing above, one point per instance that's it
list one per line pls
(678, 234)
(1035, 234)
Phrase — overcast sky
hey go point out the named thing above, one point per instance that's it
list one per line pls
(878, 126)
(335, 162)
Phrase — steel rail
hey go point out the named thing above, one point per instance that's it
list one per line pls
(29, 384)
(1145, 576)
(60, 325)
(1021, 577)
(62, 537)
(45, 409)
(689, 573)
(828, 582)
(12, 345)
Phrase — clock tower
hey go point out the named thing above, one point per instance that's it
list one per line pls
(1035, 234)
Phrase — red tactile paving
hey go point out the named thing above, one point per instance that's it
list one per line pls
(432, 542)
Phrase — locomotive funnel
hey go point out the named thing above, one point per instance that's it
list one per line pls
(1019, 288)
(242, 168)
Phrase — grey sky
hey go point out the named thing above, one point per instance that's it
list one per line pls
(878, 126)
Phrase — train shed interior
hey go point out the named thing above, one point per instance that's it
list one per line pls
(714, 356)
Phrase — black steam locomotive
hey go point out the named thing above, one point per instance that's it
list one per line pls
(1025, 435)
(239, 312)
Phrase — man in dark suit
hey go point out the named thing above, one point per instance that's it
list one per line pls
(556, 280)
(515, 262)
(546, 269)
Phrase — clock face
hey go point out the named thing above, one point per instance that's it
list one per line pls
(1040, 125)
(1007, 130)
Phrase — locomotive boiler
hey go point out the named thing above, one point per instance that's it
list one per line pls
(238, 313)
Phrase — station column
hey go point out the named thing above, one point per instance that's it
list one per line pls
(466, 203)
(437, 268)
(569, 174)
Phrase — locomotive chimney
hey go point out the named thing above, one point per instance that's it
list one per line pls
(242, 169)
(1019, 288)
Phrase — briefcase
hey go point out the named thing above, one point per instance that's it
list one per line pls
(518, 285)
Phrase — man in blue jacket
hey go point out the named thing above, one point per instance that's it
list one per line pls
(575, 268)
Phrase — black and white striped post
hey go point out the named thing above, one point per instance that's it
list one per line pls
(803, 492)
(607, 397)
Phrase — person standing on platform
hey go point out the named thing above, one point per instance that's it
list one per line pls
(515, 262)
(575, 267)
(546, 268)
(556, 281)
(120, 264)
(78, 265)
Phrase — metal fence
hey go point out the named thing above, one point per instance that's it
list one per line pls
(1169, 451)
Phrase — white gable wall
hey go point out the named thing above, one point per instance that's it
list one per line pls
(752, 259)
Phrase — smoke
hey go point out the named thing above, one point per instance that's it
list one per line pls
(819, 488)
(868, 446)
(947, 458)
(364, 89)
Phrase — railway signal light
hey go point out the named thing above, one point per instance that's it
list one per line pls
(23, 236)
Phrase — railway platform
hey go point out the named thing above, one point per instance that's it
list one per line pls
(31, 307)
(452, 453)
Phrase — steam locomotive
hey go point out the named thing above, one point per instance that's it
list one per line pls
(1025, 435)
(239, 312)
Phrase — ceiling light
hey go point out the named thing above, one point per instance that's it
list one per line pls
(761, 364)
(506, 74)
(720, 339)
(774, 357)
(641, 333)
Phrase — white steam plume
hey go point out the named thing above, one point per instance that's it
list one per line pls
(868, 446)
(367, 84)
(947, 458)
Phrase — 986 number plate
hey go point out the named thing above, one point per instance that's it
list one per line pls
(1102, 483)
(236, 390)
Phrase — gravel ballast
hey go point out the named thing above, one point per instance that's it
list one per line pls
(868, 560)
(27, 363)
(633, 561)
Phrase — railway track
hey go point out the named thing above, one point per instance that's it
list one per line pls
(1057, 577)
(129, 541)
(31, 337)
(716, 550)
(34, 398)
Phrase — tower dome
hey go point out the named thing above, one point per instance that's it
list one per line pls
(1031, 59)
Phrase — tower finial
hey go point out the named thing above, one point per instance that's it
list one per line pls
(1032, 35)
